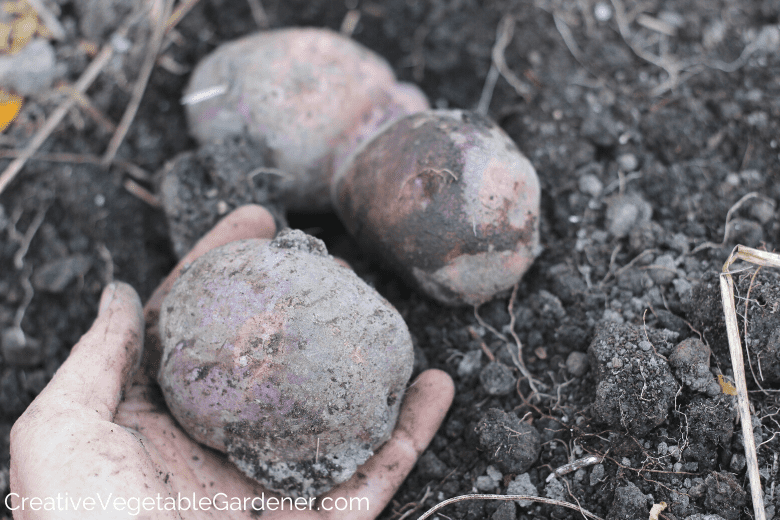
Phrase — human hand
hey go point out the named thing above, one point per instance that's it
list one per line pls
(100, 434)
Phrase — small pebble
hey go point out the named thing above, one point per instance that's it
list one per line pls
(628, 502)
(738, 462)
(690, 360)
(663, 270)
(430, 466)
(521, 485)
(485, 483)
(497, 379)
(470, 363)
(690, 351)
(494, 473)
(602, 11)
(591, 185)
(577, 363)
(697, 490)
(18, 349)
(682, 288)
(628, 162)
(759, 119)
(762, 210)
(31, 70)
(121, 43)
(597, 474)
(625, 212)
(613, 316)
(555, 490)
(752, 176)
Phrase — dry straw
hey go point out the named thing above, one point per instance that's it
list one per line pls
(760, 258)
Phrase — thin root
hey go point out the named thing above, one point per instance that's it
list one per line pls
(726, 232)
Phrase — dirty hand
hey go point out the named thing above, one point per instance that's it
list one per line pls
(98, 442)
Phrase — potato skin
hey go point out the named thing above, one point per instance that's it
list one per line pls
(311, 95)
(285, 360)
(448, 199)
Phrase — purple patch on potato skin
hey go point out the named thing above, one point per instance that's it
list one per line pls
(297, 379)
(187, 343)
(209, 115)
(265, 393)
(243, 301)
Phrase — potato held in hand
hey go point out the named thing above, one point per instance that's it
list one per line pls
(446, 196)
(309, 95)
(285, 360)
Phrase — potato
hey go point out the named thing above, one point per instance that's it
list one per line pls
(284, 359)
(311, 95)
(446, 197)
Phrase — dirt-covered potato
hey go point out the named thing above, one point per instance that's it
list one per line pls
(287, 361)
(311, 95)
(447, 197)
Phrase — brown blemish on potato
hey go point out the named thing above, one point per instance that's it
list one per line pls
(437, 186)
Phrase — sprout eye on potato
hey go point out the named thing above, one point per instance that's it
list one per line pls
(448, 199)
(279, 356)
(310, 95)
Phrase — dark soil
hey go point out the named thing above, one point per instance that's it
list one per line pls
(638, 167)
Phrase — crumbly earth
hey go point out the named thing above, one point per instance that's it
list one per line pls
(637, 167)
(198, 187)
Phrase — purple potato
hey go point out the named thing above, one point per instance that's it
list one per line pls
(284, 359)
(310, 95)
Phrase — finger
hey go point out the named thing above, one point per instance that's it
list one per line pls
(424, 408)
(101, 364)
(250, 221)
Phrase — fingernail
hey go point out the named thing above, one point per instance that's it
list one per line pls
(107, 298)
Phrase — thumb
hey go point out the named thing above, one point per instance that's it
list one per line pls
(101, 364)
